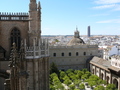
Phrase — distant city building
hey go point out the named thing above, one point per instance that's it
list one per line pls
(89, 31)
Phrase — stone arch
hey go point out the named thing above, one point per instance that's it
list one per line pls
(115, 81)
(15, 37)
(107, 79)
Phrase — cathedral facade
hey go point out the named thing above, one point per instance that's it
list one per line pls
(23, 50)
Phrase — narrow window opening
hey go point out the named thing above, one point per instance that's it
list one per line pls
(69, 53)
(54, 54)
(84, 53)
(77, 53)
(62, 54)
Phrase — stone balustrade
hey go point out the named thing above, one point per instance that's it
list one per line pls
(14, 16)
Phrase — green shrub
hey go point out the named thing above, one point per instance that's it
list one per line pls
(99, 87)
(82, 86)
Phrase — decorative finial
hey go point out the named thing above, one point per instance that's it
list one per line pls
(76, 28)
(39, 6)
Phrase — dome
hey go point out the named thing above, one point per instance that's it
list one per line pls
(76, 40)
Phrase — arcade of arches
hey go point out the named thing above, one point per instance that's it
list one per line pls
(106, 73)
(109, 77)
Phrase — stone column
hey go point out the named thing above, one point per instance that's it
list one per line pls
(47, 81)
(118, 83)
(104, 75)
(30, 81)
(99, 72)
(95, 70)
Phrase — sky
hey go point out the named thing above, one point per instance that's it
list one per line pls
(61, 17)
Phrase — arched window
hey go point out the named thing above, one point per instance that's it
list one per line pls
(115, 81)
(16, 38)
(84, 53)
(77, 53)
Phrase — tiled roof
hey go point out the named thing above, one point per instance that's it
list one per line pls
(100, 62)
(114, 68)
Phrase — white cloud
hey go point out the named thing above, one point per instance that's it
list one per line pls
(117, 8)
(110, 21)
(105, 14)
(105, 6)
(107, 21)
(107, 1)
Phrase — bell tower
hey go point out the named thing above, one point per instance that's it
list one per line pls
(34, 21)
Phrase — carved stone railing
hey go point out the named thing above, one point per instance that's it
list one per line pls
(37, 51)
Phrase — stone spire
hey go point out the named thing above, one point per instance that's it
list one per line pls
(39, 18)
(39, 6)
(32, 5)
(35, 21)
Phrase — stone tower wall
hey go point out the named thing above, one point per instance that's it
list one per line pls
(38, 70)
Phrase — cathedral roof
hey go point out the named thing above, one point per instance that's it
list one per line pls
(76, 40)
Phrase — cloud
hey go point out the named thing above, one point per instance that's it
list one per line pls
(117, 8)
(110, 21)
(105, 6)
(107, 1)
(107, 21)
